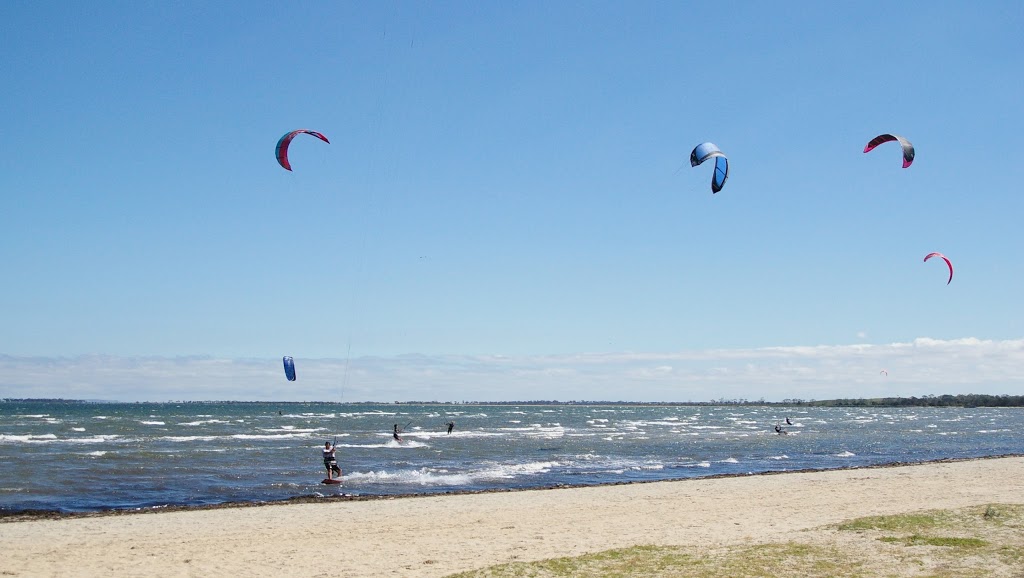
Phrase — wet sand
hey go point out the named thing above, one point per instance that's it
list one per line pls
(439, 535)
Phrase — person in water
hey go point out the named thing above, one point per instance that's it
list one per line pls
(330, 461)
(395, 435)
(779, 430)
(451, 426)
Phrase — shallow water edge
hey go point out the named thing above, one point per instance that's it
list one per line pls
(11, 516)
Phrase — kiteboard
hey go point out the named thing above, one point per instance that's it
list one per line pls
(330, 481)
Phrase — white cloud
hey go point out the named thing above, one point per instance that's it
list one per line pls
(919, 367)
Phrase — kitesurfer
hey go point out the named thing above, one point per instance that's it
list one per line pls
(788, 422)
(451, 426)
(330, 462)
(395, 435)
(779, 430)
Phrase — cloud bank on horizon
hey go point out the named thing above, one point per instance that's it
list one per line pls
(923, 366)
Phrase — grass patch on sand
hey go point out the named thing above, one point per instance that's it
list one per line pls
(760, 560)
(901, 523)
(978, 541)
(949, 542)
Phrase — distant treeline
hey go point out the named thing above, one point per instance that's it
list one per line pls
(968, 400)
(962, 400)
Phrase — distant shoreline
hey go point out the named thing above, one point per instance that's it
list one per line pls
(945, 400)
(14, 516)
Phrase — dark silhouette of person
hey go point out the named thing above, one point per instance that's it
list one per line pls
(330, 462)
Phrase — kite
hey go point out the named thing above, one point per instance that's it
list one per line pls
(948, 264)
(282, 145)
(703, 152)
(908, 149)
(289, 368)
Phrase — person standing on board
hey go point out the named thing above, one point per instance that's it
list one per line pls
(330, 461)
(395, 435)
(451, 426)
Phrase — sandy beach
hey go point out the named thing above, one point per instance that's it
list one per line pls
(439, 535)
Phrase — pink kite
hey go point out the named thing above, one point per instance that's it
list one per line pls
(282, 145)
(908, 149)
(948, 264)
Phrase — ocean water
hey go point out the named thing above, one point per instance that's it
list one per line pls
(69, 457)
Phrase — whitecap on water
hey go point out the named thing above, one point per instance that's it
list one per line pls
(28, 438)
(190, 438)
(443, 477)
(455, 434)
(422, 477)
(293, 429)
(93, 440)
(268, 436)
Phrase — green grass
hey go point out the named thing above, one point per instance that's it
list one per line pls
(918, 540)
(979, 541)
(767, 560)
(900, 523)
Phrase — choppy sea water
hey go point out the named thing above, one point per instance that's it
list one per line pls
(74, 457)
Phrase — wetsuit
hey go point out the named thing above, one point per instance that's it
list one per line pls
(330, 462)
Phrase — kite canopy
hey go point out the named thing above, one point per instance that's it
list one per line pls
(289, 368)
(908, 149)
(948, 264)
(703, 152)
(282, 145)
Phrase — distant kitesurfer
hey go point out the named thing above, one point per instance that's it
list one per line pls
(780, 431)
(330, 462)
(395, 435)
(788, 422)
(451, 426)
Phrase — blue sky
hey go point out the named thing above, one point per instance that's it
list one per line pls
(509, 181)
